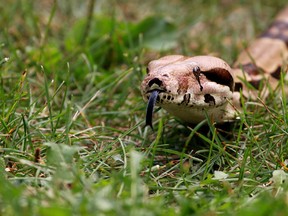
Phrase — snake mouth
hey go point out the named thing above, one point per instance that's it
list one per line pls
(150, 107)
(156, 89)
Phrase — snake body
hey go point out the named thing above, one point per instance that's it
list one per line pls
(192, 88)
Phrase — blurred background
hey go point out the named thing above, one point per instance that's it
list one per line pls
(114, 33)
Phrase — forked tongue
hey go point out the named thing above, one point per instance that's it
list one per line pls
(150, 107)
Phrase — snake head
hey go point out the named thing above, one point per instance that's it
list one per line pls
(187, 86)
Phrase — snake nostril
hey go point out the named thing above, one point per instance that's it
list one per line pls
(155, 81)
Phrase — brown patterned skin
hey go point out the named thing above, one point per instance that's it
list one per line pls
(265, 58)
(192, 87)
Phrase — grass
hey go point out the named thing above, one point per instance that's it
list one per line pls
(72, 136)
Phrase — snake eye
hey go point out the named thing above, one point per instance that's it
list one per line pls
(196, 69)
(197, 73)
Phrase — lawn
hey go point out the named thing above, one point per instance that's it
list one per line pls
(72, 135)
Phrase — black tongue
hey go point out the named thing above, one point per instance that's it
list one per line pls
(150, 107)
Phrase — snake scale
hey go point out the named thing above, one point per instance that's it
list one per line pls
(192, 88)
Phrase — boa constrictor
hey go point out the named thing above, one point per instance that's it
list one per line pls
(192, 88)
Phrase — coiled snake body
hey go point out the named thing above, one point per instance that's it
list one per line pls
(192, 88)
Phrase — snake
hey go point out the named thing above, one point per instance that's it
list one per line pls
(197, 87)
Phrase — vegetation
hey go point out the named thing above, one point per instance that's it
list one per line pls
(72, 135)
